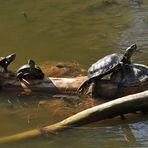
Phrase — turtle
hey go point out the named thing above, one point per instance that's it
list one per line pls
(5, 61)
(107, 65)
(29, 71)
(134, 74)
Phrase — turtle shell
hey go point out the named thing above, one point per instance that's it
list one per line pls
(104, 65)
(134, 74)
(36, 73)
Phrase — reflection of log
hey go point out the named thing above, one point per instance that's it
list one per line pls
(110, 109)
(69, 85)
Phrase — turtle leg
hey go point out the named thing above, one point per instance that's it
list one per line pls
(122, 117)
(20, 77)
(4, 69)
(84, 87)
(123, 72)
(94, 89)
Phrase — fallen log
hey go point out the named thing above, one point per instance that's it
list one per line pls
(48, 84)
(51, 85)
(124, 105)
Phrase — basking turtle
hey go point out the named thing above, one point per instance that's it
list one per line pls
(107, 65)
(29, 71)
(134, 74)
(5, 61)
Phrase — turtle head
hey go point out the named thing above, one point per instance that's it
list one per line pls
(132, 48)
(10, 58)
(130, 51)
(7, 60)
(31, 64)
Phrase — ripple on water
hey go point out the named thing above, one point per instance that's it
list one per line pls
(137, 32)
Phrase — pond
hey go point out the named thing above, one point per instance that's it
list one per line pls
(75, 31)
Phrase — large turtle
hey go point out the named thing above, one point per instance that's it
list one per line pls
(134, 74)
(107, 65)
(29, 71)
(5, 61)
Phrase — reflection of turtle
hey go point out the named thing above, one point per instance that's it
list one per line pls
(5, 61)
(30, 71)
(107, 65)
(134, 74)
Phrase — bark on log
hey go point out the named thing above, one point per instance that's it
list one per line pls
(110, 109)
(51, 85)
(48, 84)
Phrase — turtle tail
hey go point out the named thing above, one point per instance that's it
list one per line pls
(84, 86)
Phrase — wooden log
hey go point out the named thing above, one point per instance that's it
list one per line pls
(124, 105)
(107, 89)
(51, 85)
(48, 84)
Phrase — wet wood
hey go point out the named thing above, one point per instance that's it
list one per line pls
(48, 84)
(52, 85)
(124, 105)
(107, 89)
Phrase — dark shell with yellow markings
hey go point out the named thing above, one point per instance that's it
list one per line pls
(134, 74)
(105, 65)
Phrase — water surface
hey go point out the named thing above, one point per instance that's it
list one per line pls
(80, 32)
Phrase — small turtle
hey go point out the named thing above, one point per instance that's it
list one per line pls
(5, 61)
(107, 65)
(30, 71)
(134, 74)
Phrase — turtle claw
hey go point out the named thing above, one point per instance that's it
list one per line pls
(82, 90)
(79, 91)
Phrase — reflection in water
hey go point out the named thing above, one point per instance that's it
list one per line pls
(137, 31)
(83, 137)
(136, 2)
(43, 110)
(140, 131)
(71, 30)
(129, 136)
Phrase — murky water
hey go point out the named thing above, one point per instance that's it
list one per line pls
(80, 32)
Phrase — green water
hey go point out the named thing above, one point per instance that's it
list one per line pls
(68, 30)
